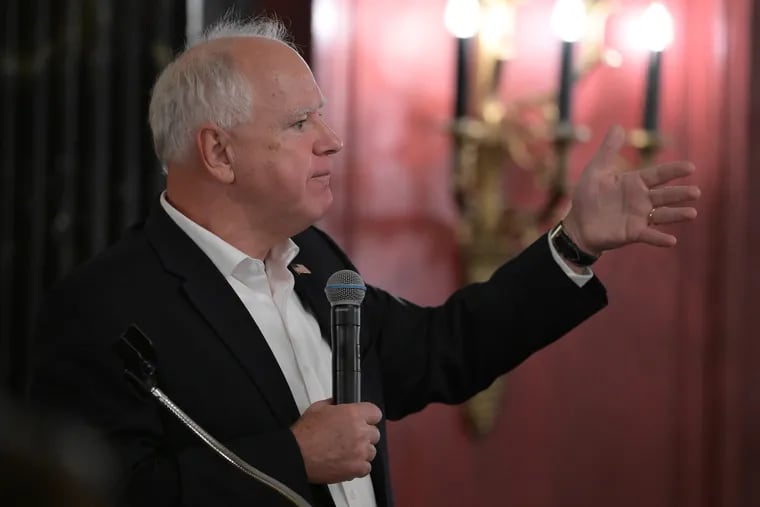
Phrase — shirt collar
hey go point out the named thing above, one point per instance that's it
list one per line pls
(225, 256)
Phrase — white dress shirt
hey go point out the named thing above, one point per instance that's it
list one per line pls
(292, 332)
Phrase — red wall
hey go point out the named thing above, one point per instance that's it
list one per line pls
(649, 403)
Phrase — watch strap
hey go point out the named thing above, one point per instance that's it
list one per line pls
(568, 249)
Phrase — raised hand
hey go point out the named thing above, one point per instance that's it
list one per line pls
(337, 442)
(611, 208)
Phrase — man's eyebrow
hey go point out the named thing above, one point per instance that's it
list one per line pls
(306, 110)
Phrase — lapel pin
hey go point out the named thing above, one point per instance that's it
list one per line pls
(301, 269)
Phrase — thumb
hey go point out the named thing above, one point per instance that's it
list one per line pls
(604, 158)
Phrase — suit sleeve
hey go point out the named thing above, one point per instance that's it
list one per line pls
(451, 352)
(79, 376)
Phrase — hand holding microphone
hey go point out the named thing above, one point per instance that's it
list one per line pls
(337, 440)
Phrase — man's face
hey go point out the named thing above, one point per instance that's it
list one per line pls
(281, 157)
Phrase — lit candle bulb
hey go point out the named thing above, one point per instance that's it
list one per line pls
(656, 26)
(497, 36)
(569, 23)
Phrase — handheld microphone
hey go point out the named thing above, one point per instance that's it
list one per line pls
(136, 351)
(345, 291)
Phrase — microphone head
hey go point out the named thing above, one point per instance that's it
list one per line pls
(345, 287)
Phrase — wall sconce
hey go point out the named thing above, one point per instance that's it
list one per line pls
(532, 134)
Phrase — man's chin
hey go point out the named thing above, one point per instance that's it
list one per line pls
(325, 206)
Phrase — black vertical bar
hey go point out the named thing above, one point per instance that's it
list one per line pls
(36, 147)
(651, 102)
(462, 93)
(166, 39)
(566, 82)
(66, 217)
(8, 103)
(129, 110)
(97, 178)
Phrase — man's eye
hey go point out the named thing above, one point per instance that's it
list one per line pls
(300, 124)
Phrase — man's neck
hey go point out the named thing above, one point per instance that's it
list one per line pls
(234, 229)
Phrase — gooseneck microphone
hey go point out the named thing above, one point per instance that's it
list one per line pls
(345, 291)
(139, 357)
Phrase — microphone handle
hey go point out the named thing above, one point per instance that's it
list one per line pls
(346, 360)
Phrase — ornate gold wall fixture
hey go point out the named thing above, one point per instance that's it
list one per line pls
(535, 134)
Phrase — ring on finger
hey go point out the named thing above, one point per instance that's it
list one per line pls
(650, 217)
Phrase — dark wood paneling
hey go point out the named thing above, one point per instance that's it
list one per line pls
(77, 161)
(8, 90)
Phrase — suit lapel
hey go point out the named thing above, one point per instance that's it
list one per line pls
(310, 287)
(215, 300)
(310, 290)
(310, 272)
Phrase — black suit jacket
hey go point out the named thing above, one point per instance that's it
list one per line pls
(214, 363)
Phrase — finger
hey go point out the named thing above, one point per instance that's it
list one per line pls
(359, 468)
(372, 452)
(665, 196)
(371, 413)
(605, 155)
(663, 173)
(657, 238)
(373, 434)
(665, 215)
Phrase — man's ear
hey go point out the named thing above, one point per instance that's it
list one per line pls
(216, 153)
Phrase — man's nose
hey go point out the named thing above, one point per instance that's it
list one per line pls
(328, 142)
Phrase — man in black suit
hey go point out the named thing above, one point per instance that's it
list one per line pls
(227, 276)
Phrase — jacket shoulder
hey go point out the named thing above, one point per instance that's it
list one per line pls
(315, 241)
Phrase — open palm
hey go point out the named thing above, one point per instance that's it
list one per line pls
(612, 208)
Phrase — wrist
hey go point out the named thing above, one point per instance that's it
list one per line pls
(573, 230)
(569, 248)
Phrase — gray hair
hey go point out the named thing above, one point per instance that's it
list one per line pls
(204, 86)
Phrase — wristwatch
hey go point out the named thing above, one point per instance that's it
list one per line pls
(569, 250)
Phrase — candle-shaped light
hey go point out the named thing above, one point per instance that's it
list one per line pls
(569, 23)
(498, 29)
(656, 27)
(497, 36)
(462, 19)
